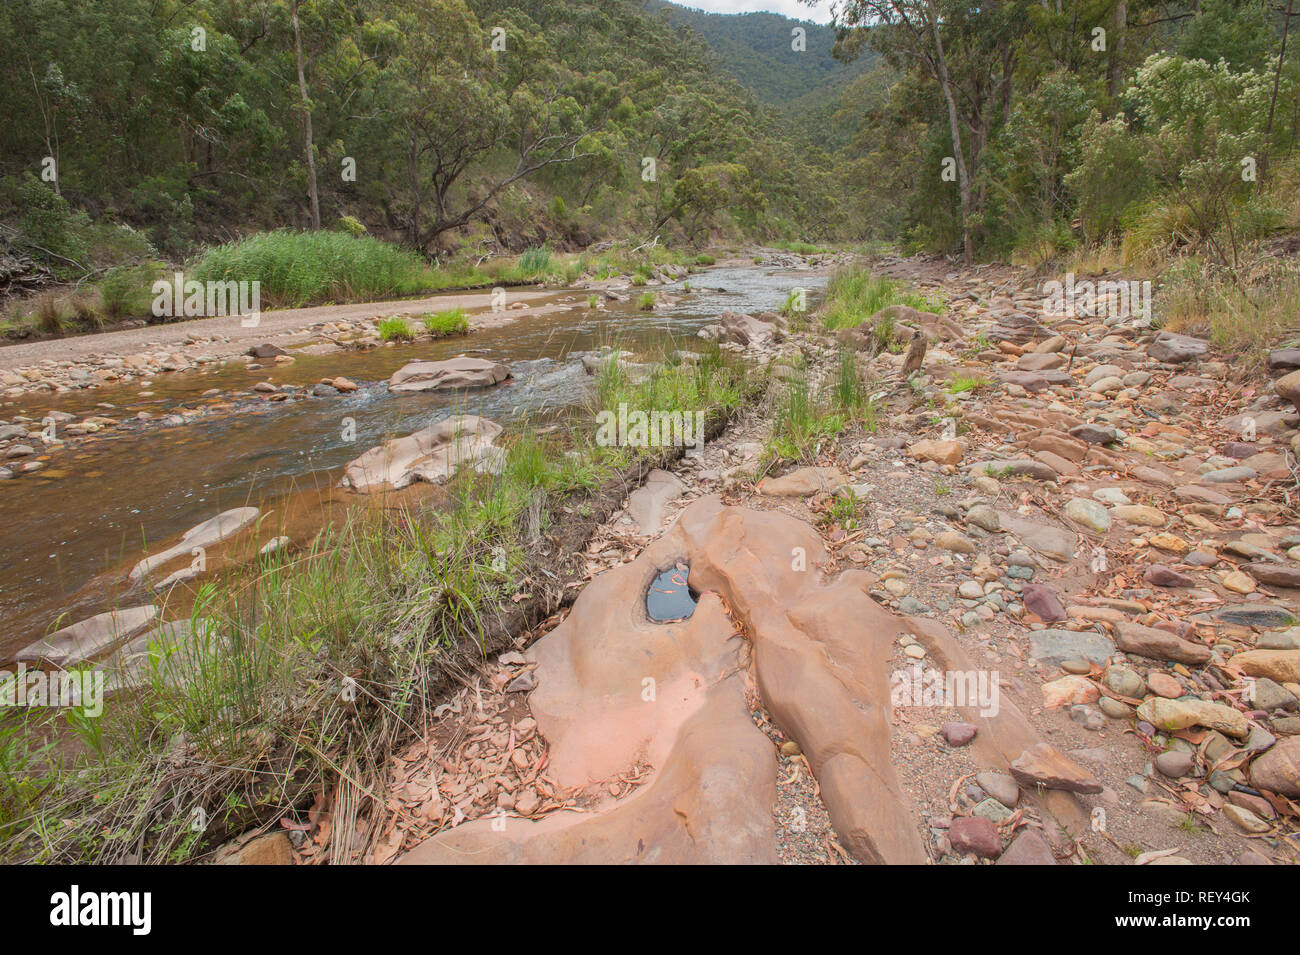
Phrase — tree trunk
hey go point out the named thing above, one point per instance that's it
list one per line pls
(308, 147)
(413, 170)
(1272, 103)
(1115, 68)
(963, 180)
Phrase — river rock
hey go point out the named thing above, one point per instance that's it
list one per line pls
(1274, 575)
(1158, 575)
(1000, 786)
(1088, 513)
(432, 454)
(1040, 600)
(1175, 764)
(1138, 514)
(938, 451)
(1043, 538)
(1159, 645)
(1042, 765)
(1288, 387)
(452, 373)
(1174, 349)
(747, 330)
(975, 834)
(90, 637)
(1028, 848)
(1282, 666)
(1278, 770)
(1170, 715)
(1057, 646)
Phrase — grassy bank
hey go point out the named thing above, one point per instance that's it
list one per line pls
(314, 665)
(296, 269)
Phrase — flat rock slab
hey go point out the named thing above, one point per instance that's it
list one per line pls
(710, 803)
(803, 482)
(1045, 539)
(451, 374)
(432, 454)
(212, 531)
(90, 637)
(1056, 646)
(645, 505)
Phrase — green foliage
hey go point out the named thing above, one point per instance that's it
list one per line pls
(854, 294)
(308, 268)
(535, 263)
(450, 322)
(351, 225)
(49, 230)
(125, 290)
(395, 328)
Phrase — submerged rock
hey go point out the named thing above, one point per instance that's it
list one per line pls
(212, 531)
(90, 637)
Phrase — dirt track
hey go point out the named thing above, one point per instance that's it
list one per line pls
(290, 321)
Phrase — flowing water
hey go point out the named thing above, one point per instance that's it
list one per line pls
(72, 530)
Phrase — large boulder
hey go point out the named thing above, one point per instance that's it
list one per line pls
(433, 454)
(746, 330)
(450, 374)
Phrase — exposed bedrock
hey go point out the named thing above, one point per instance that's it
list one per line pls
(615, 688)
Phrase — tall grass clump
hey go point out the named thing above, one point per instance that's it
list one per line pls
(533, 264)
(853, 295)
(450, 322)
(310, 268)
(395, 328)
(801, 423)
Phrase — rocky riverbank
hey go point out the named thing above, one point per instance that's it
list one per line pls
(1066, 505)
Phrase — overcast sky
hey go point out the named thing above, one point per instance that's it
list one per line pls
(791, 8)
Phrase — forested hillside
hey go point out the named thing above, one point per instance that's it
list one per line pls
(757, 49)
(436, 123)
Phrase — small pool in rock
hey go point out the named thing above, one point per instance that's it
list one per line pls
(669, 597)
